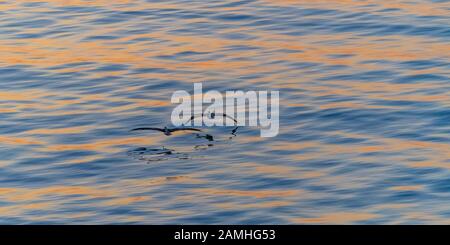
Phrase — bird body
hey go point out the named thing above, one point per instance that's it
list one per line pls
(167, 131)
(213, 116)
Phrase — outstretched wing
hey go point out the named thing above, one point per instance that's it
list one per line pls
(225, 115)
(192, 118)
(185, 129)
(213, 115)
(156, 129)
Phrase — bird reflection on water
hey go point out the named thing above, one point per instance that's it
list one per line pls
(163, 153)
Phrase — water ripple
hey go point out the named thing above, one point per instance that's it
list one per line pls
(365, 112)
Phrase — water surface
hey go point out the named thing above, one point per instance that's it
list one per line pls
(364, 112)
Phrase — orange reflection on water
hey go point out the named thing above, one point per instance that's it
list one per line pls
(23, 194)
(410, 7)
(335, 218)
(76, 2)
(11, 140)
(66, 130)
(50, 52)
(248, 193)
(155, 182)
(264, 204)
(407, 188)
(106, 145)
(23, 199)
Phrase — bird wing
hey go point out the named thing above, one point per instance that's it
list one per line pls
(157, 129)
(225, 115)
(185, 129)
(190, 119)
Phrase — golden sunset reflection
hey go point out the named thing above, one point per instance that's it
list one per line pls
(364, 111)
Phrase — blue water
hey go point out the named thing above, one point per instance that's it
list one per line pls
(364, 112)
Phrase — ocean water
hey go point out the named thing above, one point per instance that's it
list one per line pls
(364, 112)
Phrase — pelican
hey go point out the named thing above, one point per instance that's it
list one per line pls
(168, 131)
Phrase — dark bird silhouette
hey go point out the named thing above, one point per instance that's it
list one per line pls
(233, 132)
(213, 115)
(207, 136)
(168, 131)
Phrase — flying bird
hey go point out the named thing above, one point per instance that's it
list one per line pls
(168, 131)
(213, 115)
